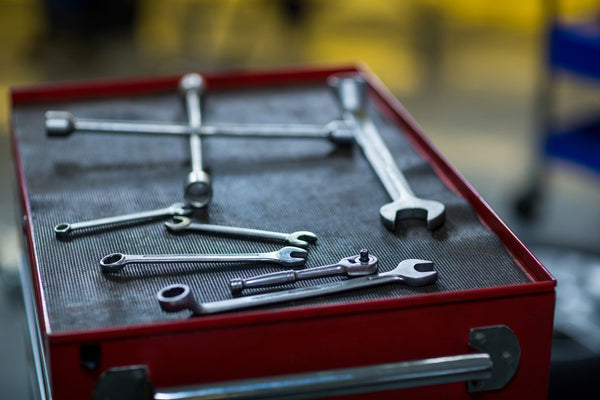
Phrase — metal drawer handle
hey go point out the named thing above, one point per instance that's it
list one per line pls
(489, 370)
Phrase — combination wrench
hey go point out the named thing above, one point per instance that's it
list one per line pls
(198, 189)
(176, 209)
(351, 93)
(297, 239)
(287, 256)
(179, 297)
(351, 267)
(64, 123)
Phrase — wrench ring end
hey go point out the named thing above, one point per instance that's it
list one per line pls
(62, 230)
(177, 297)
(113, 262)
(178, 224)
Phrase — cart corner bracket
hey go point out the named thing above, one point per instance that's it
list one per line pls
(502, 345)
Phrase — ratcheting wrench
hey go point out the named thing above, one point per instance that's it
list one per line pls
(351, 267)
(286, 256)
(351, 91)
(179, 297)
(63, 123)
(298, 239)
(63, 230)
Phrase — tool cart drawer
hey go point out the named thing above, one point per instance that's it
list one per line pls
(480, 328)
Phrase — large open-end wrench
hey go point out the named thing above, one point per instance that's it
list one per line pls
(64, 229)
(198, 189)
(63, 123)
(179, 297)
(298, 239)
(351, 267)
(351, 90)
(286, 256)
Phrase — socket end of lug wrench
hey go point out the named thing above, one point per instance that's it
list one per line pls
(198, 189)
(176, 298)
(59, 123)
(113, 262)
(433, 212)
(191, 81)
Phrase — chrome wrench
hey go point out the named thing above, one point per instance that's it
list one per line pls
(179, 297)
(64, 229)
(351, 267)
(63, 123)
(198, 189)
(286, 256)
(298, 239)
(351, 90)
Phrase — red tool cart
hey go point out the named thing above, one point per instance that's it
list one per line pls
(481, 330)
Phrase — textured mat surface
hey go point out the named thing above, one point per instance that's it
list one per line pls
(282, 185)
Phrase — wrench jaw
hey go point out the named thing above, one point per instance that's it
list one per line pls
(415, 272)
(176, 298)
(291, 256)
(178, 224)
(433, 212)
(301, 239)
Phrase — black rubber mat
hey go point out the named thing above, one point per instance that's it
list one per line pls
(283, 185)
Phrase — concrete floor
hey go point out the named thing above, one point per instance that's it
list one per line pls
(469, 81)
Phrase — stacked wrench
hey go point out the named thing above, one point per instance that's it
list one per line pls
(179, 297)
(63, 230)
(351, 93)
(286, 256)
(351, 267)
(298, 239)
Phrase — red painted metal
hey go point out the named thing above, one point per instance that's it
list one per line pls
(267, 343)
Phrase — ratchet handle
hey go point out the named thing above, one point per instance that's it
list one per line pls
(284, 277)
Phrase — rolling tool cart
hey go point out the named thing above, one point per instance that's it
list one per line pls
(397, 278)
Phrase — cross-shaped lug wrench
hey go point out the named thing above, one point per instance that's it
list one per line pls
(351, 267)
(287, 256)
(198, 189)
(298, 239)
(64, 123)
(179, 297)
(64, 229)
(351, 91)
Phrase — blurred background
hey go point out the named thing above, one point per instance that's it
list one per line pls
(476, 75)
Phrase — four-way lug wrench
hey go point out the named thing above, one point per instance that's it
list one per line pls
(198, 189)
(64, 229)
(286, 256)
(63, 124)
(298, 239)
(351, 267)
(351, 91)
(179, 297)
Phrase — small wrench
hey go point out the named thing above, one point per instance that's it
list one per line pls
(351, 91)
(298, 239)
(353, 266)
(63, 230)
(286, 256)
(63, 123)
(179, 297)
(198, 189)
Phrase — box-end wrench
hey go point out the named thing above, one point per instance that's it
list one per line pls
(298, 239)
(197, 189)
(179, 297)
(351, 91)
(351, 267)
(287, 256)
(64, 123)
(64, 229)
